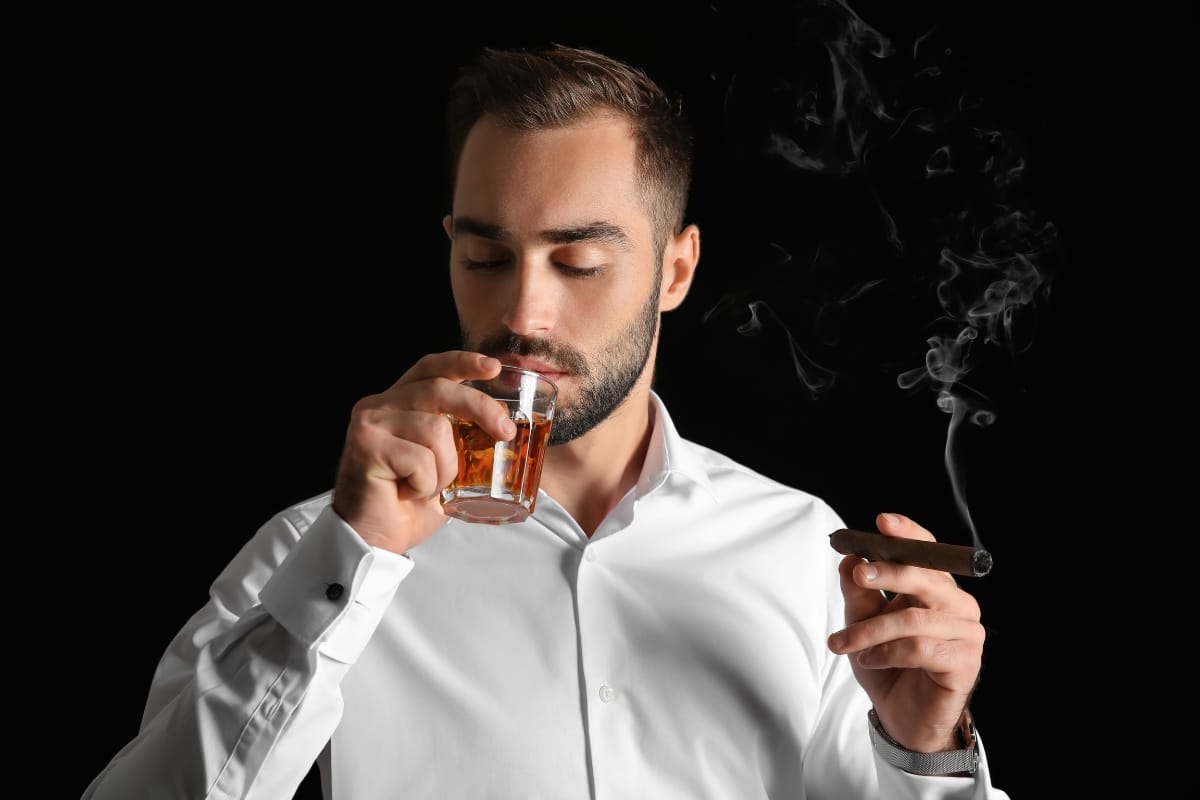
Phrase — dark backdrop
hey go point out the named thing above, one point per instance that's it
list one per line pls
(224, 227)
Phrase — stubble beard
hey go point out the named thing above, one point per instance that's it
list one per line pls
(605, 381)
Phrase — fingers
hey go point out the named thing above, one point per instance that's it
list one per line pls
(933, 587)
(415, 449)
(941, 657)
(862, 581)
(407, 432)
(400, 446)
(945, 648)
(456, 365)
(913, 637)
(863, 598)
(875, 590)
(899, 525)
(434, 385)
(906, 616)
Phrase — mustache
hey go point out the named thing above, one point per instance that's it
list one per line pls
(562, 356)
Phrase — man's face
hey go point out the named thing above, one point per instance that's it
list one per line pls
(552, 262)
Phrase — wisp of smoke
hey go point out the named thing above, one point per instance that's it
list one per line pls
(850, 108)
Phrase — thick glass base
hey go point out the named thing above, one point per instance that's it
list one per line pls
(486, 510)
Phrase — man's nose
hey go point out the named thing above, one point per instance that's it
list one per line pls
(533, 300)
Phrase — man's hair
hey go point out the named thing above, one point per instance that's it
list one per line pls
(555, 86)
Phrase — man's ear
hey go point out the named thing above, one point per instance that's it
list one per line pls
(679, 266)
(448, 225)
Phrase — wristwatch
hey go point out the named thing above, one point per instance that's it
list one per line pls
(950, 762)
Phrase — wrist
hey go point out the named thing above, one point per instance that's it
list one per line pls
(962, 761)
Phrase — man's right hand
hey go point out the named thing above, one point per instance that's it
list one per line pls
(399, 452)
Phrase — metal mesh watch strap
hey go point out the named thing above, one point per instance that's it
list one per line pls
(950, 762)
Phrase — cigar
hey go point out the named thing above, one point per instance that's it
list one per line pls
(959, 559)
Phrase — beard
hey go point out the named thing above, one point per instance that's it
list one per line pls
(604, 381)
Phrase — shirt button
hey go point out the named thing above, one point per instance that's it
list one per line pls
(589, 554)
(334, 591)
(607, 694)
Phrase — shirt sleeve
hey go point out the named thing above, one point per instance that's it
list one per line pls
(247, 693)
(895, 782)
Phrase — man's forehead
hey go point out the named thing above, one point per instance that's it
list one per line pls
(560, 185)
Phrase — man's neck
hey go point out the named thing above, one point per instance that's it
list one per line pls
(590, 475)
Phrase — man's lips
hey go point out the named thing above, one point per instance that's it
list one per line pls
(550, 371)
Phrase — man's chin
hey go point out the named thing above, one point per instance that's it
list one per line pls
(567, 429)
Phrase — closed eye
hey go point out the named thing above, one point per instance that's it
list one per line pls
(498, 264)
(484, 266)
(579, 272)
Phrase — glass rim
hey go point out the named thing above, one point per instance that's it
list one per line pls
(546, 386)
(524, 371)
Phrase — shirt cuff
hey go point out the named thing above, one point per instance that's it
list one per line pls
(332, 588)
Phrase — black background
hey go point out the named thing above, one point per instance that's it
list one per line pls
(224, 228)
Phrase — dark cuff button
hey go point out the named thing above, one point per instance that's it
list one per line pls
(334, 591)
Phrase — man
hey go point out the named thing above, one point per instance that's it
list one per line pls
(667, 624)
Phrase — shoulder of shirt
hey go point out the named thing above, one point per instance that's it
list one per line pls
(717, 465)
(723, 477)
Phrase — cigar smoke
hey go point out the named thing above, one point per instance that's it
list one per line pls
(944, 261)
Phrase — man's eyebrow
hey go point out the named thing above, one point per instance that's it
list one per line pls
(597, 232)
(477, 228)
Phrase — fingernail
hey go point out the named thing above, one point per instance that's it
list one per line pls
(870, 572)
(864, 657)
(837, 641)
(891, 519)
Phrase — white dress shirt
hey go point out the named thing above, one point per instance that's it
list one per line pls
(678, 653)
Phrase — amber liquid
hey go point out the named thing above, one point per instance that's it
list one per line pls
(497, 481)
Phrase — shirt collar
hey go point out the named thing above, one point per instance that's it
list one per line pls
(669, 455)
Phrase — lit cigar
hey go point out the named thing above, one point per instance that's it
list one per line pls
(956, 558)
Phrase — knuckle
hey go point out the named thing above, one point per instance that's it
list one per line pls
(360, 434)
(941, 650)
(364, 406)
(424, 477)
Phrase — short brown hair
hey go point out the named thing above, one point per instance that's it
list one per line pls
(532, 89)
